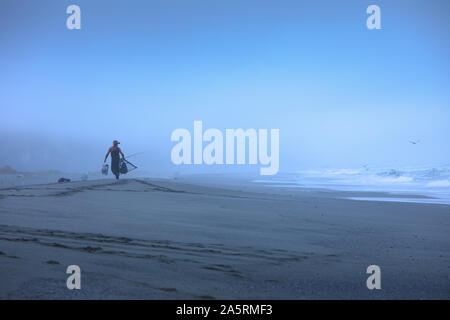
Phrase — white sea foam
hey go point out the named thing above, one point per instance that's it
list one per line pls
(431, 181)
(438, 183)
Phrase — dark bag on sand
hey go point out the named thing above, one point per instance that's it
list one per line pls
(123, 167)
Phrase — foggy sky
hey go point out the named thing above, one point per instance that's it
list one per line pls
(341, 95)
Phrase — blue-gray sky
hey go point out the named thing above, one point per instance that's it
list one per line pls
(341, 95)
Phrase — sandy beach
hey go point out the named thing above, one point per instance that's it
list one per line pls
(203, 239)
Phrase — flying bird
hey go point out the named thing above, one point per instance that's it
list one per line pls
(414, 142)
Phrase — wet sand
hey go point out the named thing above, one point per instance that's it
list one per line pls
(167, 239)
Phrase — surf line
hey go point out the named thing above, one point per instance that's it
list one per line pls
(235, 139)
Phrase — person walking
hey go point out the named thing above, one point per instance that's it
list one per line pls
(115, 152)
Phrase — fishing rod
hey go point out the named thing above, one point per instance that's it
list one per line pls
(134, 154)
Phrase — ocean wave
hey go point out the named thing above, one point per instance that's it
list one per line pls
(391, 173)
(438, 183)
(331, 172)
(394, 179)
(432, 181)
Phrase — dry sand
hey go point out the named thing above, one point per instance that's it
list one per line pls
(166, 239)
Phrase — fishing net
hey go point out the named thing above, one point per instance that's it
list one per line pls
(128, 164)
